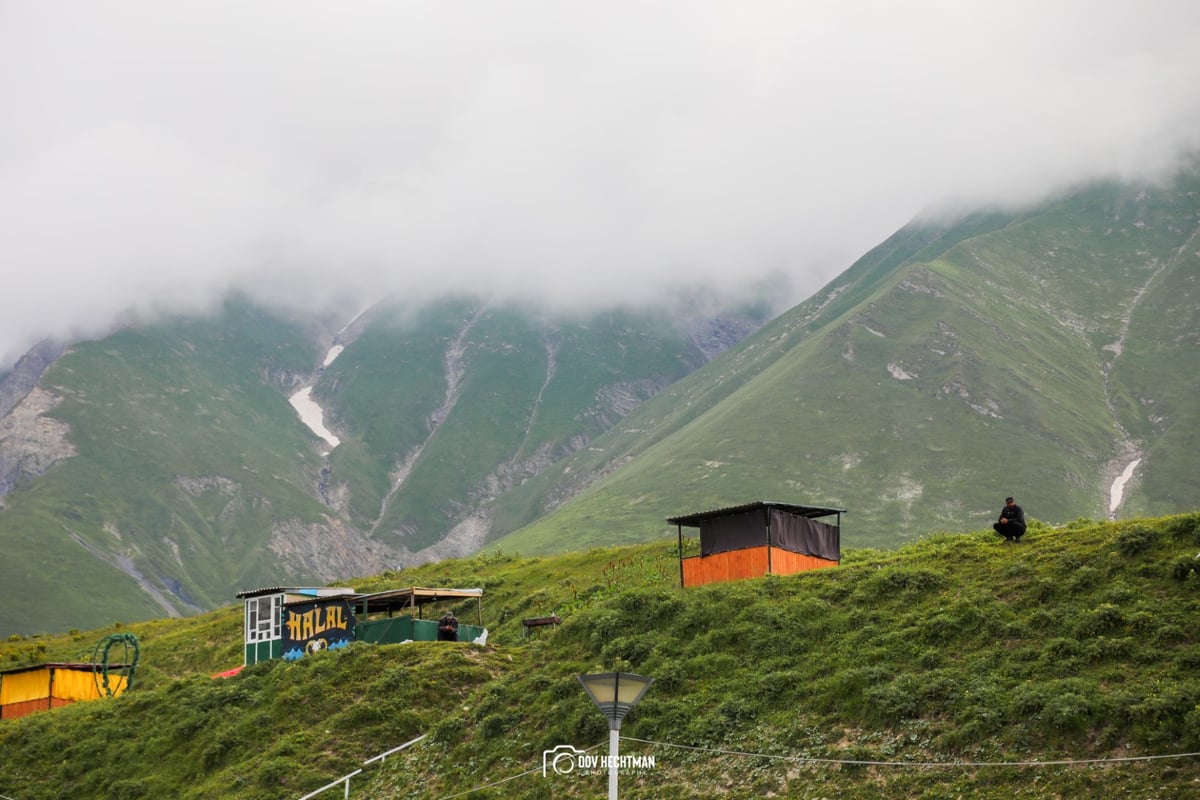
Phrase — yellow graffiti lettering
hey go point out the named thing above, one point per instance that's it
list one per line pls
(302, 627)
(334, 618)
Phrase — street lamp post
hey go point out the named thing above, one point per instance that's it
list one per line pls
(615, 693)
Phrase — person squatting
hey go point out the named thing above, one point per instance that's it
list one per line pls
(1011, 524)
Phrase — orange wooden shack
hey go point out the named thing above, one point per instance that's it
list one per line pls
(759, 538)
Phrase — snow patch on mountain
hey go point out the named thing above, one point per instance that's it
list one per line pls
(310, 411)
(1116, 493)
(312, 415)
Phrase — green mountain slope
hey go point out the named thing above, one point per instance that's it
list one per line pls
(1036, 355)
(185, 457)
(179, 473)
(954, 666)
(450, 406)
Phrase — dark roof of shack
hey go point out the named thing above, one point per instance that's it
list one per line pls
(812, 512)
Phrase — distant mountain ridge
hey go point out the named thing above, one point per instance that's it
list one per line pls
(162, 468)
(1036, 353)
(1040, 353)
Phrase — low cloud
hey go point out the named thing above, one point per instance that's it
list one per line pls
(155, 155)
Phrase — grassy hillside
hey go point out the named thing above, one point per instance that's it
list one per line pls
(954, 666)
(1032, 355)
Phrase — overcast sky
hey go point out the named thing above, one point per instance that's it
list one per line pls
(154, 154)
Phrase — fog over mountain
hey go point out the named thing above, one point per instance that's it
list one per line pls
(157, 154)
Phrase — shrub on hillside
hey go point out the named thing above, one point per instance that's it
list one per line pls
(1101, 619)
(1184, 567)
(1183, 528)
(634, 649)
(894, 701)
(1084, 578)
(1136, 540)
(1067, 712)
(892, 581)
(1162, 715)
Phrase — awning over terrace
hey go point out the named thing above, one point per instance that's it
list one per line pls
(413, 599)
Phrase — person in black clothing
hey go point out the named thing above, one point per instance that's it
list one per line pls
(448, 628)
(1011, 524)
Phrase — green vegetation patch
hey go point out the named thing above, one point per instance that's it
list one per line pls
(1061, 657)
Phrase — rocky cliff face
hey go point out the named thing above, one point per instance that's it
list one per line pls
(719, 334)
(25, 374)
(330, 551)
(29, 442)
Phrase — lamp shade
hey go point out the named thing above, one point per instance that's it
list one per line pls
(614, 693)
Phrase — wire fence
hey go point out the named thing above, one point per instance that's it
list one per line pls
(344, 781)
(1070, 762)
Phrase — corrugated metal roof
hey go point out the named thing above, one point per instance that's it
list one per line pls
(264, 590)
(308, 591)
(812, 512)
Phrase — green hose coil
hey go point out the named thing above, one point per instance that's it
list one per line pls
(103, 665)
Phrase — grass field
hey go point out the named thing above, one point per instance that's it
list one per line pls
(1063, 666)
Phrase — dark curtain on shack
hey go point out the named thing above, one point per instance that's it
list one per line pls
(734, 532)
(805, 536)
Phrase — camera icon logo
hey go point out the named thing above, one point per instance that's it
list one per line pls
(560, 760)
